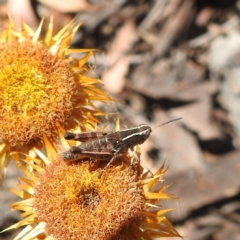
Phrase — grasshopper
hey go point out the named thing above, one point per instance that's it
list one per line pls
(103, 146)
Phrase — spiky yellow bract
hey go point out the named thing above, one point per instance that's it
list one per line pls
(69, 201)
(43, 91)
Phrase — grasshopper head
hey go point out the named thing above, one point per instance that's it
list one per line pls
(144, 131)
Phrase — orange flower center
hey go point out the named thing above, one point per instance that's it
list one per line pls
(36, 89)
(74, 202)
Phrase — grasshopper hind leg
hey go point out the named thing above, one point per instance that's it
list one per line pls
(109, 163)
(117, 155)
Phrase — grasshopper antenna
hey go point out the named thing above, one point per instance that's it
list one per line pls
(176, 119)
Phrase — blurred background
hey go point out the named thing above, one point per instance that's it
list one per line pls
(162, 60)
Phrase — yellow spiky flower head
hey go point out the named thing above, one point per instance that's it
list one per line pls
(43, 91)
(63, 201)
